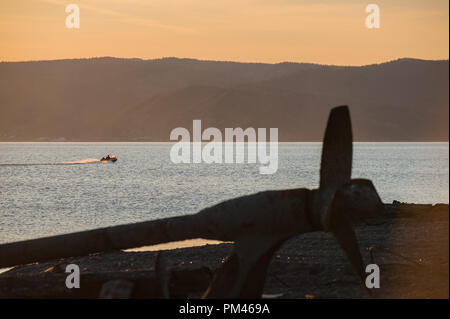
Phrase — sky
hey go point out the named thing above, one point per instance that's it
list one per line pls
(318, 31)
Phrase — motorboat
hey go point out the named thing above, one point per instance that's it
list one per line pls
(108, 159)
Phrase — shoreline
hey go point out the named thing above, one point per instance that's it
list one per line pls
(150, 141)
(409, 243)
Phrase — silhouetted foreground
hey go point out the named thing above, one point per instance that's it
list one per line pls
(410, 245)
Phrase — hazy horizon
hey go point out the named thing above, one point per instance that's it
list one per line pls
(225, 61)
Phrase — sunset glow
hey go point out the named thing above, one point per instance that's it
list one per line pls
(326, 31)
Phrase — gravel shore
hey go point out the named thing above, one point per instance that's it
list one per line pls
(410, 244)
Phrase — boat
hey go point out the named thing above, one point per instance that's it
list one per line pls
(108, 159)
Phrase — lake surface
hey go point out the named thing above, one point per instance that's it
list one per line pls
(43, 200)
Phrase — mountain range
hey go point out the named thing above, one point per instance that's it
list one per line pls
(111, 99)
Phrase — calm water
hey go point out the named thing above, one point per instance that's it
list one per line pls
(42, 200)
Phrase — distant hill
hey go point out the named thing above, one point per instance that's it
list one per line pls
(109, 99)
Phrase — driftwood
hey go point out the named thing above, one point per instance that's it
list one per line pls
(258, 224)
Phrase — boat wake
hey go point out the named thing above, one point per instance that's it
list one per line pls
(85, 161)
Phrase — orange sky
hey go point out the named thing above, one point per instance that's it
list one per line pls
(320, 31)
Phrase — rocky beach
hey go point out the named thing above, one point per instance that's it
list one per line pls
(409, 243)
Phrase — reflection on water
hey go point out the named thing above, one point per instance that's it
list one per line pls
(42, 200)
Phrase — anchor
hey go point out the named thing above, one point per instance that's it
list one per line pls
(332, 207)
